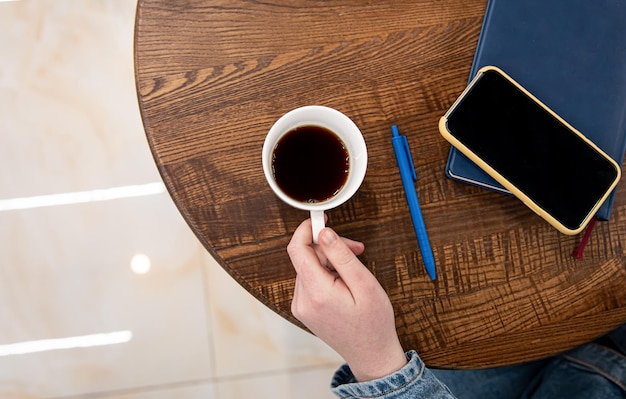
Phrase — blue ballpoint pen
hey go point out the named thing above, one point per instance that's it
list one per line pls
(408, 175)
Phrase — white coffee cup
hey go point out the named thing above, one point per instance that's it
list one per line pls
(343, 128)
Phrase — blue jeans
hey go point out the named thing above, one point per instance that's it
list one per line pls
(591, 371)
(594, 370)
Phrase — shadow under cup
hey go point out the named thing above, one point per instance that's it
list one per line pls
(298, 138)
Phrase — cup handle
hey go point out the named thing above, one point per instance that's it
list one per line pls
(317, 222)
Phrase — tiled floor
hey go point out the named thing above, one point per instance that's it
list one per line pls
(69, 123)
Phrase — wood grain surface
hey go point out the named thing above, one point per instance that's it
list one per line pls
(213, 76)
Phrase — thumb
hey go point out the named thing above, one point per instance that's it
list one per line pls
(344, 261)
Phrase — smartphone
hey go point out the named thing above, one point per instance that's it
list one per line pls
(530, 150)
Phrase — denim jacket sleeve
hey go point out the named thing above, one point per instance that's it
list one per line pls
(413, 381)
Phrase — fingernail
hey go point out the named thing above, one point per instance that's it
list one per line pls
(329, 237)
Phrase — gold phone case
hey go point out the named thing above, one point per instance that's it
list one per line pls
(502, 180)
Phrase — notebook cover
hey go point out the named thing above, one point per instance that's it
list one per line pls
(571, 55)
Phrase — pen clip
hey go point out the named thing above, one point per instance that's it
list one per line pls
(407, 150)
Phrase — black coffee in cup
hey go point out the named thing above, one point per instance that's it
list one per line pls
(310, 163)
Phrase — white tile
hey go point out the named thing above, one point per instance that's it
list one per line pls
(190, 391)
(65, 272)
(302, 384)
(68, 110)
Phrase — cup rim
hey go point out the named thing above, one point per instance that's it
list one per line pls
(358, 162)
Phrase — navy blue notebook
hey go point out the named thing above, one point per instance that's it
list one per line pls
(571, 55)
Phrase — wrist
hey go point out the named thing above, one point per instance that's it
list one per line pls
(380, 366)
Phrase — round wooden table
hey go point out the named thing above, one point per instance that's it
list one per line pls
(213, 76)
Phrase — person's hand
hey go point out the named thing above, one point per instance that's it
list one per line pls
(343, 304)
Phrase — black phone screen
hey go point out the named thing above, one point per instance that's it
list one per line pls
(531, 148)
